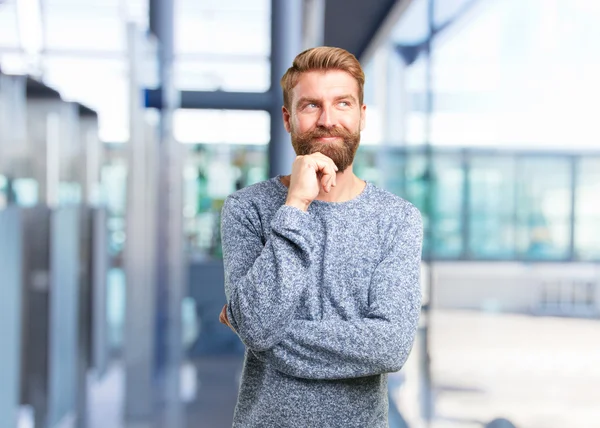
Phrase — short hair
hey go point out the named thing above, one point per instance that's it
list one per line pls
(322, 58)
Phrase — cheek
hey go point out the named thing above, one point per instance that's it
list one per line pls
(353, 123)
(301, 125)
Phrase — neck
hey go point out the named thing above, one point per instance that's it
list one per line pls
(348, 186)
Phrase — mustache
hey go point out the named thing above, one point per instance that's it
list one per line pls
(321, 132)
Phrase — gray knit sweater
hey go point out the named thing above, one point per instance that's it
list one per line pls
(326, 301)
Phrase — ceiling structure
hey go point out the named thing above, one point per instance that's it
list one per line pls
(84, 53)
(355, 24)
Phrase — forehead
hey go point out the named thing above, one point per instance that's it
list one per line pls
(320, 84)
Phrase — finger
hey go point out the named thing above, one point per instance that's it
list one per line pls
(327, 159)
(326, 167)
(333, 169)
(325, 180)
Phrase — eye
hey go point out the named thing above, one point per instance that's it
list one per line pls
(344, 103)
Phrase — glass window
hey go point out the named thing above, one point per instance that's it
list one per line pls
(3, 192)
(392, 162)
(222, 126)
(444, 211)
(416, 98)
(85, 29)
(234, 74)
(366, 164)
(413, 26)
(448, 195)
(587, 209)
(543, 207)
(98, 83)
(491, 207)
(211, 173)
(445, 11)
(9, 36)
(226, 27)
(223, 45)
(417, 186)
(504, 74)
(417, 181)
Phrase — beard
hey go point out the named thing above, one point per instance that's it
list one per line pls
(341, 151)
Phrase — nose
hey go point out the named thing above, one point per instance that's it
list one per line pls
(326, 118)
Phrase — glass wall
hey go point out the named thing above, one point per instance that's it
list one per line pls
(209, 58)
(500, 205)
(502, 95)
(587, 209)
(492, 204)
(543, 207)
(211, 173)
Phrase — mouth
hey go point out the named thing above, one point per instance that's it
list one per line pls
(328, 139)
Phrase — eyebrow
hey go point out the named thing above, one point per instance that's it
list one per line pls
(304, 100)
(345, 97)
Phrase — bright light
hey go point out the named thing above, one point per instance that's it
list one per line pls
(30, 26)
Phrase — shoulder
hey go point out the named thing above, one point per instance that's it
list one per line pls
(255, 204)
(395, 208)
(263, 192)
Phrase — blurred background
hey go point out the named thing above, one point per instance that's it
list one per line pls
(125, 123)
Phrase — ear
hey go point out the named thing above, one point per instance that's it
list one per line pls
(286, 118)
(363, 116)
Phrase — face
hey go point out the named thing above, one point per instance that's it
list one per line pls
(326, 116)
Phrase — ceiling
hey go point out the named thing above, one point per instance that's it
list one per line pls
(352, 24)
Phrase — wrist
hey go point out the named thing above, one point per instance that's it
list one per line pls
(298, 203)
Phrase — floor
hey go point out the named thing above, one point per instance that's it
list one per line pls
(537, 372)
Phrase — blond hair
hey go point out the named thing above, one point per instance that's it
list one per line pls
(322, 58)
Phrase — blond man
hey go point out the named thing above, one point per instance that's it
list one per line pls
(321, 267)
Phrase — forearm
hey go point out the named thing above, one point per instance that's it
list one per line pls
(378, 343)
(343, 349)
(262, 299)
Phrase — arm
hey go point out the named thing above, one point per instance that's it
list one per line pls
(379, 343)
(263, 282)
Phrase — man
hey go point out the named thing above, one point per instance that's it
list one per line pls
(321, 267)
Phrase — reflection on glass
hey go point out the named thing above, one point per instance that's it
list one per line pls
(517, 206)
(25, 191)
(448, 184)
(416, 185)
(543, 207)
(212, 172)
(491, 207)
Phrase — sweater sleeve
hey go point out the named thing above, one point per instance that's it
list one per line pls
(263, 280)
(380, 342)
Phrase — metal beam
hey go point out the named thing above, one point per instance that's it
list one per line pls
(218, 100)
(170, 260)
(286, 43)
(314, 24)
(140, 299)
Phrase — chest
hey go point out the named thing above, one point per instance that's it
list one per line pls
(346, 254)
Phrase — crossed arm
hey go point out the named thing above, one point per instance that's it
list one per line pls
(327, 349)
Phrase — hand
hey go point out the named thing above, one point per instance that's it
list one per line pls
(309, 174)
(223, 318)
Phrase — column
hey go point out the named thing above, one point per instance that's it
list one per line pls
(286, 43)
